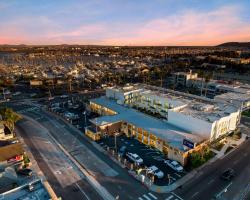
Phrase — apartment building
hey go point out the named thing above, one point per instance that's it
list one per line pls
(182, 78)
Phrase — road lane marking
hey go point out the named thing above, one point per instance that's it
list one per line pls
(140, 198)
(170, 197)
(196, 193)
(224, 190)
(82, 191)
(211, 181)
(150, 194)
(146, 197)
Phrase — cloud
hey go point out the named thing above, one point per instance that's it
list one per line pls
(188, 27)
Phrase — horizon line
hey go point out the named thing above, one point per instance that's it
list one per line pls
(128, 45)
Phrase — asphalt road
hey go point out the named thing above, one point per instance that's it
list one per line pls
(204, 186)
(114, 178)
(207, 184)
(58, 170)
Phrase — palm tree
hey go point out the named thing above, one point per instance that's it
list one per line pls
(9, 118)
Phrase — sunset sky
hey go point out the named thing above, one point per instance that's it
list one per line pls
(124, 22)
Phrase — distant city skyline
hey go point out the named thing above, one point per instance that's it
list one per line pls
(119, 22)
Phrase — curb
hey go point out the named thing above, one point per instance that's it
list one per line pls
(154, 188)
(99, 188)
(40, 173)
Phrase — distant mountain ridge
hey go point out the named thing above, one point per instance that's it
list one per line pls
(235, 44)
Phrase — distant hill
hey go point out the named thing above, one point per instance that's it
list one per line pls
(235, 44)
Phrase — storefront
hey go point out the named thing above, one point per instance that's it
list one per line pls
(91, 133)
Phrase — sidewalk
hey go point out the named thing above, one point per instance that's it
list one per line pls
(229, 143)
(35, 167)
(89, 177)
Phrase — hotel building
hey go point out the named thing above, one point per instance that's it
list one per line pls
(171, 121)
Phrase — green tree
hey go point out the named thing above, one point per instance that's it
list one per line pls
(198, 158)
(9, 118)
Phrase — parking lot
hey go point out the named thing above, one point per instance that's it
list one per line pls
(72, 109)
(150, 156)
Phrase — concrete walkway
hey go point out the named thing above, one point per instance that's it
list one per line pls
(229, 142)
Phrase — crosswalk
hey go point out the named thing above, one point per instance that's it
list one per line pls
(27, 110)
(148, 196)
(173, 196)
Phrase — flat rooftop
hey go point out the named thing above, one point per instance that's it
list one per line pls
(207, 112)
(173, 100)
(171, 134)
(125, 89)
(234, 96)
(195, 106)
(9, 151)
(36, 191)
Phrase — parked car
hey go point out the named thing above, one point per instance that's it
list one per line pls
(122, 151)
(135, 158)
(25, 172)
(155, 171)
(174, 165)
(228, 174)
(64, 96)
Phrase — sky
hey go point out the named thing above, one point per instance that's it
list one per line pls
(124, 22)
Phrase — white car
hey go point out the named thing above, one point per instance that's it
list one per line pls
(64, 96)
(135, 158)
(174, 165)
(155, 171)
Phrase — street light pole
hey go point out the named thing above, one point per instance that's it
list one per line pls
(116, 134)
(96, 125)
(85, 120)
(115, 143)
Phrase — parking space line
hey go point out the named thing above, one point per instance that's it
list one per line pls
(196, 193)
(211, 181)
(170, 197)
(177, 196)
(152, 195)
(146, 197)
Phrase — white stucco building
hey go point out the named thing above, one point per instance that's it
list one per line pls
(205, 117)
(162, 118)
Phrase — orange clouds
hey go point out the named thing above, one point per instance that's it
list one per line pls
(190, 28)
(185, 28)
